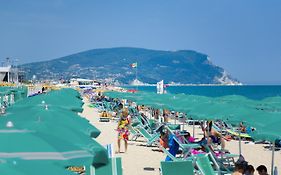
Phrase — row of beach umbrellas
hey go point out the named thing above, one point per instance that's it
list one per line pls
(46, 131)
(264, 115)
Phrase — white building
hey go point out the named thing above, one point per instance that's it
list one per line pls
(83, 83)
(8, 74)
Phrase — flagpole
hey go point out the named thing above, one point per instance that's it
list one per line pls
(137, 76)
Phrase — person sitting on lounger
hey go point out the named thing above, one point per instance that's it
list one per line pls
(164, 139)
(242, 127)
(214, 136)
(144, 119)
(173, 147)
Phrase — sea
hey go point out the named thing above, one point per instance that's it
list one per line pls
(256, 92)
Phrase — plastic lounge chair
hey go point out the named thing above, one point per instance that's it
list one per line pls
(226, 162)
(186, 147)
(150, 138)
(134, 133)
(174, 126)
(204, 165)
(177, 168)
(113, 167)
(165, 151)
(236, 134)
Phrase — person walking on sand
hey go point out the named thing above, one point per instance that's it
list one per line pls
(122, 129)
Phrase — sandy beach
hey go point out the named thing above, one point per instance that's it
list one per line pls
(139, 156)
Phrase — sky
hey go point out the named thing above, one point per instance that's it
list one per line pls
(242, 36)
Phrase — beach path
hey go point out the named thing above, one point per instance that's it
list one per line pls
(139, 160)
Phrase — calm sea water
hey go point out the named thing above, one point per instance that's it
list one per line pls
(252, 92)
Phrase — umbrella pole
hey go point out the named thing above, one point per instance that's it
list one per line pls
(240, 142)
(183, 124)
(208, 137)
(272, 160)
(193, 129)
(150, 114)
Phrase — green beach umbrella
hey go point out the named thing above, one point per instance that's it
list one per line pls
(54, 115)
(31, 167)
(33, 145)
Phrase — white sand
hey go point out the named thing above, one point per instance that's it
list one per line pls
(138, 157)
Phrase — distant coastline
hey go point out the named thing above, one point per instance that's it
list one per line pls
(146, 84)
(250, 91)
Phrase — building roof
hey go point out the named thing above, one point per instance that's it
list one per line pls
(5, 69)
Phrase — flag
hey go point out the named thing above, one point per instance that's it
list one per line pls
(134, 65)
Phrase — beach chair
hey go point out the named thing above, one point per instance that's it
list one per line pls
(177, 168)
(205, 166)
(185, 147)
(150, 138)
(235, 134)
(165, 151)
(225, 162)
(173, 158)
(113, 167)
(134, 133)
(174, 127)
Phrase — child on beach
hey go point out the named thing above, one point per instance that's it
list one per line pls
(122, 129)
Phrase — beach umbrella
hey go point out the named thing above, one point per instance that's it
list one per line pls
(31, 167)
(32, 145)
(54, 115)
(267, 126)
(56, 98)
(274, 102)
(270, 132)
(64, 132)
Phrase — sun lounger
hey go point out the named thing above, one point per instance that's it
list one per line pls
(177, 168)
(165, 151)
(236, 134)
(150, 138)
(185, 147)
(174, 126)
(173, 158)
(225, 161)
(205, 167)
(134, 133)
(113, 167)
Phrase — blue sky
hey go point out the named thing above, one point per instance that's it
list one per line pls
(242, 36)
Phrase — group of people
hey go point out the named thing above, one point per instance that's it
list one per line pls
(210, 137)
(244, 169)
